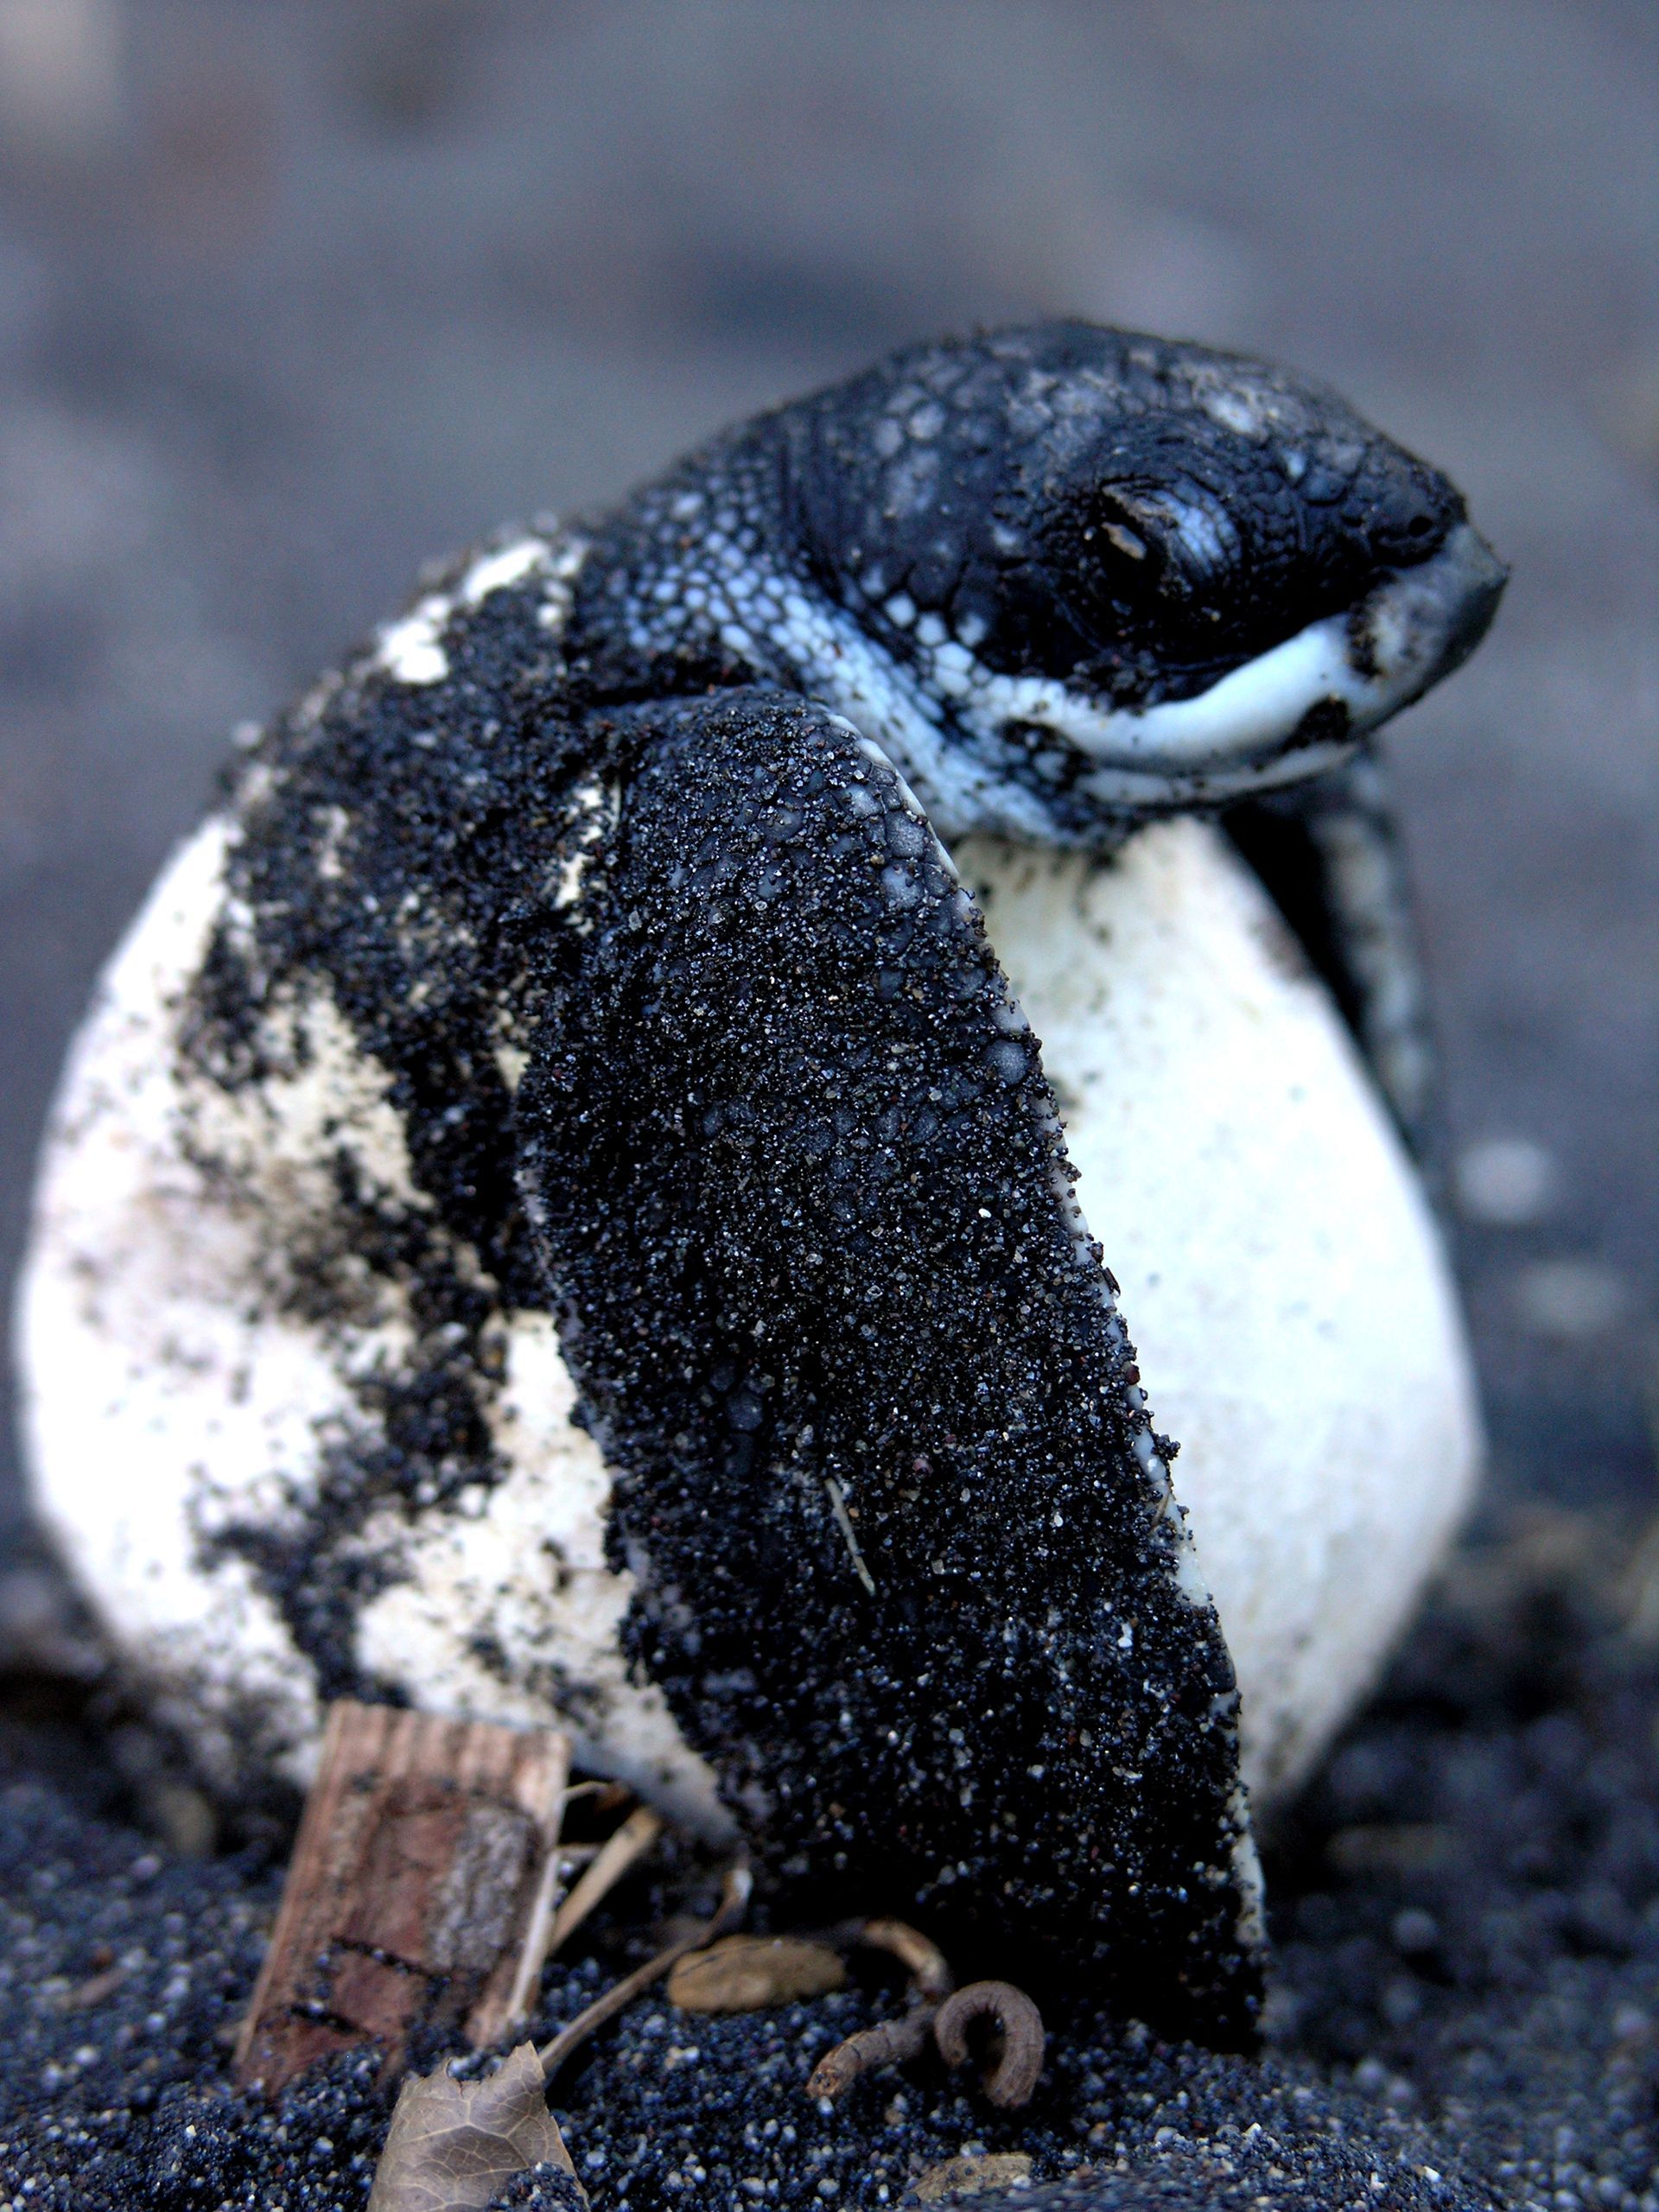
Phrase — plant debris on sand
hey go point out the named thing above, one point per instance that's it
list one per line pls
(1466, 2011)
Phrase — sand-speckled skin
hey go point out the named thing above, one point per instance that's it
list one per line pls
(586, 954)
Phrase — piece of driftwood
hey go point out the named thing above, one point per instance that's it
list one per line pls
(422, 1890)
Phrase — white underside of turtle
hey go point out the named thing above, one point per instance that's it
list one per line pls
(1282, 1280)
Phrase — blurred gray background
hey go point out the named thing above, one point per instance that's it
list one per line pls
(295, 295)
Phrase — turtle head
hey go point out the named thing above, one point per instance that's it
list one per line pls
(1127, 574)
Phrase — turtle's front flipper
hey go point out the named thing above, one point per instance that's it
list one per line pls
(1329, 853)
(909, 1569)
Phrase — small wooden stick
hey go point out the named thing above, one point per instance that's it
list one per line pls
(733, 1903)
(610, 1863)
(605, 1795)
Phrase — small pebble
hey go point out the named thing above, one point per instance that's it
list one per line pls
(1506, 1182)
(1572, 1300)
(972, 2175)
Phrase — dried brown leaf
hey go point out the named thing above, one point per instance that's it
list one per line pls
(745, 1974)
(454, 2145)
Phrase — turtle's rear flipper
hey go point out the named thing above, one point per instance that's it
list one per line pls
(909, 1570)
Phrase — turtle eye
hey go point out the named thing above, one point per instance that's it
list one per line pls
(1122, 535)
(1108, 560)
(1117, 534)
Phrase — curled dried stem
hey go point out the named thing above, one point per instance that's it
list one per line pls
(931, 1978)
(733, 1902)
(889, 2045)
(1012, 2075)
(892, 2041)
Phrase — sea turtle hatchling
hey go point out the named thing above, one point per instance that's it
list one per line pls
(560, 1206)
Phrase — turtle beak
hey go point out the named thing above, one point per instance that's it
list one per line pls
(1474, 585)
(1423, 622)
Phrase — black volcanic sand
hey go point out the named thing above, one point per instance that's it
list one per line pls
(1465, 2010)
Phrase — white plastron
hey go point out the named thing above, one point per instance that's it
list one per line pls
(1283, 1282)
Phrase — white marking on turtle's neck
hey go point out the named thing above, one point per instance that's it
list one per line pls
(1370, 660)
(971, 741)
(791, 634)
(1248, 709)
